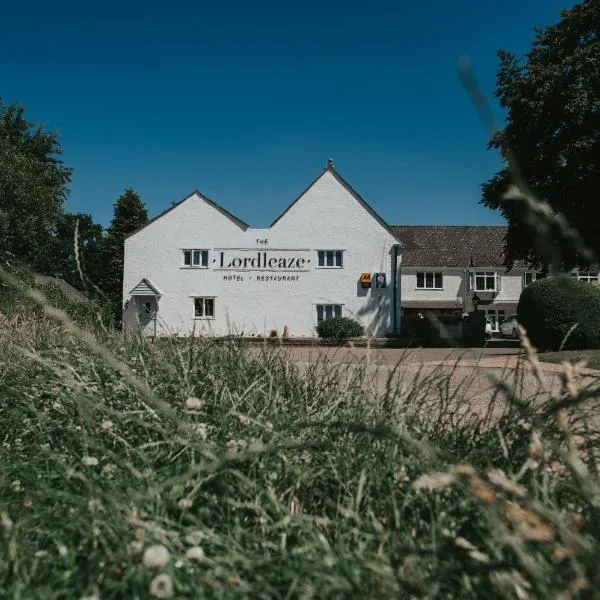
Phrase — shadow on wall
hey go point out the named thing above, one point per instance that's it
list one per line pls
(376, 315)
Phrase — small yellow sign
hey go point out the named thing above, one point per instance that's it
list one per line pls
(366, 280)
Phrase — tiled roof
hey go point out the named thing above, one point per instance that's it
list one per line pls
(458, 246)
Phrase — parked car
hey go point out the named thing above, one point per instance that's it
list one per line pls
(509, 327)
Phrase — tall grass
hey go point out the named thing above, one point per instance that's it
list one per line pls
(295, 481)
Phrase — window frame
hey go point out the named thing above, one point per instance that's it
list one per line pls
(333, 306)
(204, 316)
(335, 254)
(588, 276)
(486, 275)
(204, 253)
(434, 275)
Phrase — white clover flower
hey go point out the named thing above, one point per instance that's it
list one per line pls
(156, 557)
(134, 548)
(185, 503)
(195, 554)
(109, 469)
(62, 550)
(161, 586)
(193, 403)
(90, 461)
(244, 420)
(107, 425)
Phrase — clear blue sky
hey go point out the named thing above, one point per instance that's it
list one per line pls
(245, 101)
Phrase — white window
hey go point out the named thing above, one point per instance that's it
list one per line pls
(330, 258)
(590, 276)
(495, 317)
(428, 280)
(485, 281)
(204, 308)
(328, 311)
(195, 258)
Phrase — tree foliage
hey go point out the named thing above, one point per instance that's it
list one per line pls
(33, 185)
(63, 250)
(129, 214)
(552, 99)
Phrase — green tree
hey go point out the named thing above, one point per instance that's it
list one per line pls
(33, 185)
(129, 214)
(552, 130)
(60, 259)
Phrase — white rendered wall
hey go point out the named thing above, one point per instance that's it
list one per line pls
(327, 216)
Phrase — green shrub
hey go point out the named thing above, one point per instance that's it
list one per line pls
(338, 329)
(549, 308)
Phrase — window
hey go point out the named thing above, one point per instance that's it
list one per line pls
(195, 258)
(428, 280)
(495, 317)
(530, 277)
(485, 281)
(204, 308)
(330, 258)
(328, 311)
(590, 276)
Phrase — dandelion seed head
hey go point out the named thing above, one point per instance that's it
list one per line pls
(193, 403)
(195, 554)
(161, 586)
(90, 461)
(156, 557)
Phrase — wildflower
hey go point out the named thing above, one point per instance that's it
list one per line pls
(185, 503)
(156, 557)
(27, 502)
(402, 477)
(195, 554)
(201, 430)
(62, 550)
(193, 403)
(41, 554)
(244, 420)
(107, 425)
(231, 447)
(161, 586)
(437, 481)
(56, 405)
(109, 469)
(90, 461)
(134, 548)
(306, 457)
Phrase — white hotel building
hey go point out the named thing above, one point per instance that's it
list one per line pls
(198, 269)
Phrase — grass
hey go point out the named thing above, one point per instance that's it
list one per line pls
(591, 357)
(294, 484)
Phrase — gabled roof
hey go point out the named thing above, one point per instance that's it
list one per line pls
(459, 246)
(241, 224)
(144, 288)
(331, 169)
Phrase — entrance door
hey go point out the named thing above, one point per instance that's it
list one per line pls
(147, 308)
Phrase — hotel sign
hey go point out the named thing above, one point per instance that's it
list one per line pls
(251, 259)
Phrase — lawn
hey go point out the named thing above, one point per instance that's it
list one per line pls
(198, 470)
(591, 357)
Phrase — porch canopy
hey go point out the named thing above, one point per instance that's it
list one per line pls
(145, 288)
(431, 304)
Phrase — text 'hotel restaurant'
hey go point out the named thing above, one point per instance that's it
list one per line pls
(196, 268)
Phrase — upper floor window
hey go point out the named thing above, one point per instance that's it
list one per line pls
(428, 280)
(530, 277)
(330, 258)
(195, 258)
(485, 281)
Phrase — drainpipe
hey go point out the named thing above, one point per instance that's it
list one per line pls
(397, 323)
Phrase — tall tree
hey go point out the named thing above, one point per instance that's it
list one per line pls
(66, 248)
(33, 185)
(129, 214)
(552, 131)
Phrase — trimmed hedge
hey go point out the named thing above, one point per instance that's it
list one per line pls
(549, 308)
(339, 329)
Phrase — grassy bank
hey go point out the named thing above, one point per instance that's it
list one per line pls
(262, 481)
